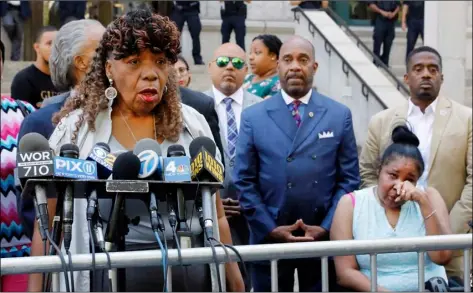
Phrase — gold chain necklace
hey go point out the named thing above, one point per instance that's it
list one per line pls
(131, 131)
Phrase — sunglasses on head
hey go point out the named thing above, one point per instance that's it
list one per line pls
(223, 61)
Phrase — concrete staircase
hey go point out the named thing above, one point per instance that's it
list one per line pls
(398, 52)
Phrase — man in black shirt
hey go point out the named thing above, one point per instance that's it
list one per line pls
(33, 84)
(413, 20)
(188, 11)
(385, 17)
(233, 15)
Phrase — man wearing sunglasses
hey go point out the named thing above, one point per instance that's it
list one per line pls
(295, 158)
(228, 70)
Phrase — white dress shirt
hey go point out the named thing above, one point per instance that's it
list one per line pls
(14, 3)
(304, 100)
(422, 125)
(237, 106)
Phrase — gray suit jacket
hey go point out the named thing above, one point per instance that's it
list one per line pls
(229, 190)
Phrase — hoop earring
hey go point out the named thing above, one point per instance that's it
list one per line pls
(165, 89)
(111, 92)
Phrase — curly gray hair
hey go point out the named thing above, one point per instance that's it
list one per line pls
(69, 42)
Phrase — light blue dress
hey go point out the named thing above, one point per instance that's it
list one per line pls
(396, 271)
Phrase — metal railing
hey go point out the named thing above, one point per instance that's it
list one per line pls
(360, 44)
(400, 86)
(264, 252)
(346, 67)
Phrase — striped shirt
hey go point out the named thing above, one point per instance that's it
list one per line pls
(14, 242)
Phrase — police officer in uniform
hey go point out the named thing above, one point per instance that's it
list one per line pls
(386, 13)
(413, 21)
(233, 19)
(188, 11)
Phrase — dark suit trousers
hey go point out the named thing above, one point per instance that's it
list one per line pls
(415, 28)
(195, 27)
(13, 25)
(383, 35)
(308, 271)
(234, 23)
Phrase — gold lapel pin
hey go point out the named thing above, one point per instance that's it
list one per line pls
(311, 114)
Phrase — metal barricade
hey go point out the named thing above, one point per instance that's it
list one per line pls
(270, 252)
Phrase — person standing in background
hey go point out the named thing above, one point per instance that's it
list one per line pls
(310, 4)
(183, 71)
(188, 11)
(14, 242)
(264, 79)
(385, 18)
(233, 15)
(444, 128)
(13, 15)
(295, 158)
(413, 21)
(33, 84)
(228, 72)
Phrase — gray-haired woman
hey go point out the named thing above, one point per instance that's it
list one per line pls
(71, 55)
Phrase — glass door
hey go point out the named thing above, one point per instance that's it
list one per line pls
(355, 13)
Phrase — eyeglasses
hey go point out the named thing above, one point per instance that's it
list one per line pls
(223, 61)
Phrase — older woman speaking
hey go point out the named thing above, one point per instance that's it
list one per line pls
(130, 94)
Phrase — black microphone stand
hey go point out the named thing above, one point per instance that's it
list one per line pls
(56, 233)
(122, 230)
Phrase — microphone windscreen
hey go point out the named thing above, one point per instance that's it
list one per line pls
(103, 145)
(199, 142)
(69, 150)
(33, 142)
(176, 150)
(147, 144)
(126, 167)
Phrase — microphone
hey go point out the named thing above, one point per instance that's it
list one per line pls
(100, 154)
(69, 166)
(35, 160)
(104, 161)
(126, 167)
(151, 166)
(204, 167)
(177, 169)
(150, 155)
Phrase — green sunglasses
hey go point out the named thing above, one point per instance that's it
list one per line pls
(223, 61)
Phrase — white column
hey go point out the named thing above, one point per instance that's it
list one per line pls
(445, 28)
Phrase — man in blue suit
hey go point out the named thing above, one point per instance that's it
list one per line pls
(296, 157)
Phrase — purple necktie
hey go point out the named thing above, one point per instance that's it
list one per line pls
(294, 107)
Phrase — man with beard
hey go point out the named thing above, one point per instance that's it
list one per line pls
(295, 158)
(444, 130)
(33, 84)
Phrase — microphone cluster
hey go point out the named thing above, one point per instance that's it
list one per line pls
(35, 160)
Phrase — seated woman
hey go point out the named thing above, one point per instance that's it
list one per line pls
(183, 71)
(264, 79)
(130, 93)
(394, 208)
